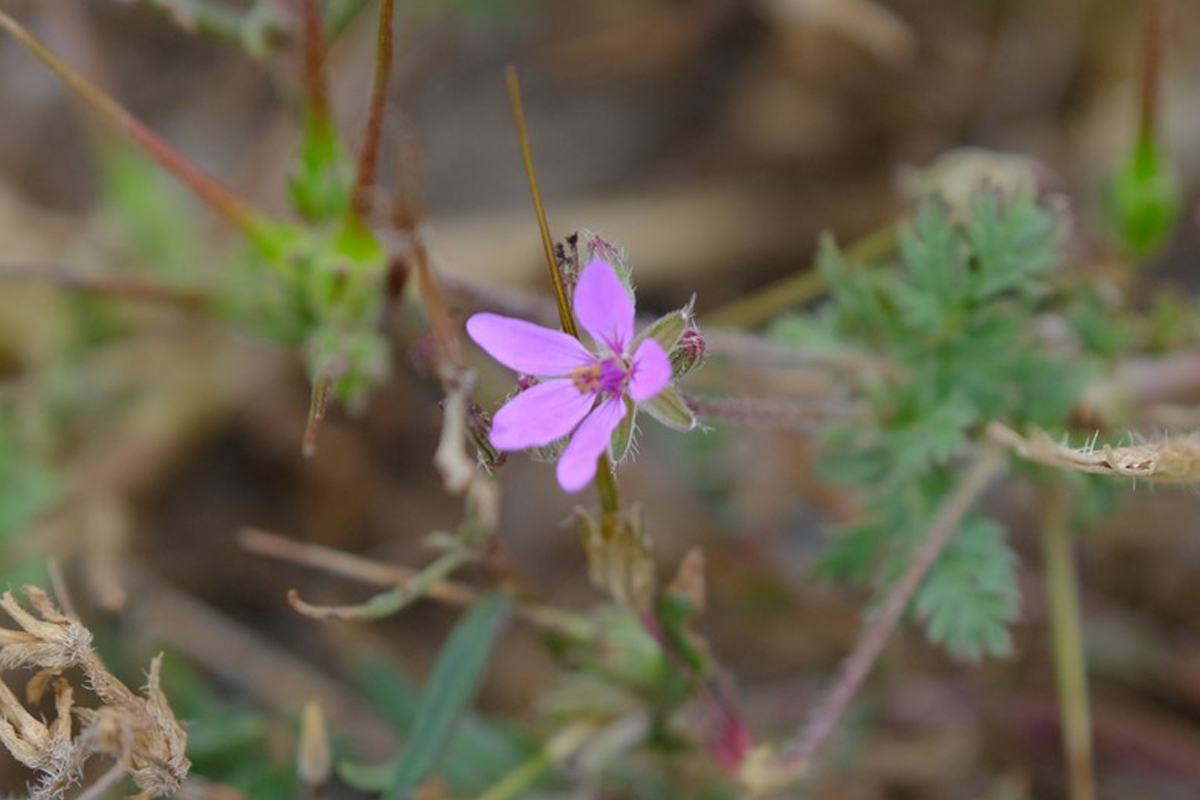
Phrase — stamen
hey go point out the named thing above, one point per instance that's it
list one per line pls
(610, 376)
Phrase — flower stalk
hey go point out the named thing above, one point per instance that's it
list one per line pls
(1066, 638)
(606, 484)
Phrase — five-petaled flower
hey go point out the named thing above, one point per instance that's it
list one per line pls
(584, 391)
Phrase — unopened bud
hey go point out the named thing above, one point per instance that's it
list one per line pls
(595, 246)
(313, 759)
(688, 352)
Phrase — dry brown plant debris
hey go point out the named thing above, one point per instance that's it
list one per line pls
(1168, 459)
(139, 733)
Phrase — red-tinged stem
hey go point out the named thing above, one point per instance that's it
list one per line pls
(797, 757)
(368, 159)
(220, 199)
(314, 65)
(1152, 46)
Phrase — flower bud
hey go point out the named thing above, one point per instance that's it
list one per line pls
(595, 246)
(688, 352)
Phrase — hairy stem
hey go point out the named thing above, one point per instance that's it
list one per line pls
(1066, 634)
(798, 755)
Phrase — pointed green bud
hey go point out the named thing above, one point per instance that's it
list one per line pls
(1146, 199)
(688, 352)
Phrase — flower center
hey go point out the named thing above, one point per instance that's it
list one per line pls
(609, 375)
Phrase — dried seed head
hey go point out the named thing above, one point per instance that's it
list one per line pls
(53, 642)
(619, 561)
(140, 733)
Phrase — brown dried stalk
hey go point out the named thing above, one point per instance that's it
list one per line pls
(1173, 458)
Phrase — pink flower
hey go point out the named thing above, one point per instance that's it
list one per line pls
(584, 391)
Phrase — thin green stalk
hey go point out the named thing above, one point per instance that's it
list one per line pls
(606, 484)
(397, 599)
(1066, 634)
(560, 747)
(797, 288)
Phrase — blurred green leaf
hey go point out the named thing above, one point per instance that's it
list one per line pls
(1146, 199)
(478, 754)
(971, 595)
(437, 713)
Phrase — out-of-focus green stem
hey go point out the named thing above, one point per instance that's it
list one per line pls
(1066, 634)
(220, 199)
(799, 287)
(560, 747)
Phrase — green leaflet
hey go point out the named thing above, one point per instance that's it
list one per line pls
(955, 311)
(449, 691)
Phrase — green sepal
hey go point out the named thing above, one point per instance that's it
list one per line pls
(622, 435)
(669, 408)
(665, 330)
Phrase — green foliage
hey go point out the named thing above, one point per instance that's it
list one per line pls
(450, 689)
(479, 754)
(1146, 199)
(28, 487)
(229, 742)
(955, 314)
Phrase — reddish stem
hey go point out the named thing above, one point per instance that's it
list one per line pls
(797, 757)
(314, 64)
(1152, 36)
(368, 159)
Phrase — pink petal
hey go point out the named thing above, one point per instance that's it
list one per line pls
(539, 415)
(577, 466)
(525, 347)
(651, 371)
(603, 306)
